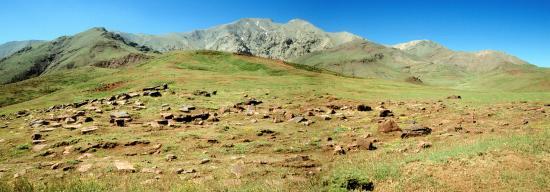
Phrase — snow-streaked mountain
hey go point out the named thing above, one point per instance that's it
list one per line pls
(259, 37)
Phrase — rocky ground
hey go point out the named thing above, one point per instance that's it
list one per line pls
(213, 121)
(161, 139)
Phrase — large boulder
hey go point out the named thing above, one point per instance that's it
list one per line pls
(388, 126)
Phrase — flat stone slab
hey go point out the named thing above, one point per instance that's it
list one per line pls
(38, 147)
(72, 127)
(88, 130)
(120, 114)
(47, 129)
(84, 168)
(124, 166)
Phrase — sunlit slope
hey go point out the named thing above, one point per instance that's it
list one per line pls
(94, 47)
(231, 75)
(369, 60)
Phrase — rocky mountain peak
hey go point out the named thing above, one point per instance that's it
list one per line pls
(419, 44)
(254, 36)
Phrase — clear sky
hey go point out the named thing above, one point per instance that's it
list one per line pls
(519, 27)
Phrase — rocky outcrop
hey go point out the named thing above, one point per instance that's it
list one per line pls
(259, 37)
(123, 61)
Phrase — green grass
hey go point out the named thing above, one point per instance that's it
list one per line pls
(294, 88)
(229, 74)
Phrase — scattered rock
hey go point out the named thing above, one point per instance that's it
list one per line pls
(326, 117)
(39, 122)
(72, 127)
(201, 93)
(252, 101)
(87, 130)
(155, 94)
(55, 125)
(36, 136)
(84, 168)
(362, 144)
(201, 116)
(184, 171)
(171, 157)
(124, 166)
(70, 120)
(424, 144)
(38, 141)
(205, 161)
(414, 79)
(167, 115)
(298, 119)
(120, 122)
(38, 147)
(137, 142)
(339, 150)
(386, 113)
(454, 97)
(353, 184)
(416, 131)
(265, 131)
(187, 108)
(158, 88)
(162, 122)
(120, 115)
(388, 126)
(362, 107)
(55, 166)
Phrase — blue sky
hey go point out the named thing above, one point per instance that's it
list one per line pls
(520, 27)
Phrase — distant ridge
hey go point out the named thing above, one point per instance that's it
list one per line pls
(11, 47)
(255, 36)
(94, 47)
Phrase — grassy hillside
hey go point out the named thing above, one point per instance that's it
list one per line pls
(95, 47)
(9, 48)
(214, 70)
(488, 140)
(368, 60)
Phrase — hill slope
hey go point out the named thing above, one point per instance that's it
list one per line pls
(259, 37)
(433, 63)
(96, 47)
(9, 48)
(481, 61)
(307, 131)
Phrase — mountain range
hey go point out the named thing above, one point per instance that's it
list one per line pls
(296, 41)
